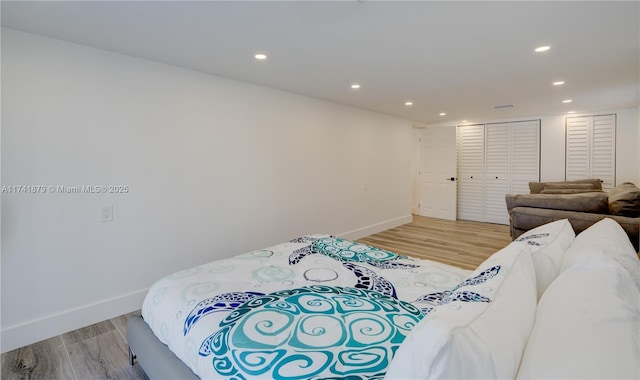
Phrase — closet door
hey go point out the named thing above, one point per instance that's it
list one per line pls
(577, 150)
(496, 172)
(495, 160)
(525, 155)
(603, 150)
(591, 149)
(471, 172)
(512, 157)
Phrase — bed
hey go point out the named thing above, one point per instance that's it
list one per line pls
(323, 307)
(329, 307)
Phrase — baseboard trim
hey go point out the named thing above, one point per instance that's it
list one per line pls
(26, 333)
(375, 228)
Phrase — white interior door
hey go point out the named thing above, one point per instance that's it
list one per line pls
(437, 172)
(471, 175)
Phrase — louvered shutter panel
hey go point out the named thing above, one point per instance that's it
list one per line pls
(496, 172)
(494, 160)
(591, 149)
(471, 166)
(525, 155)
(603, 150)
(578, 148)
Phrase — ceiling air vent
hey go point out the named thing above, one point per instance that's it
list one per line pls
(503, 106)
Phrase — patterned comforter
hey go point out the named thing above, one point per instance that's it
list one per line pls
(317, 307)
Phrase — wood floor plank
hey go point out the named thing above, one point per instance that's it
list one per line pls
(43, 360)
(104, 356)
(87, 332)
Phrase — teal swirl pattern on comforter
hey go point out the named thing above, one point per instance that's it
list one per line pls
(316, 307)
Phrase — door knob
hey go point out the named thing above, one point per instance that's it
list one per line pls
(450, 179)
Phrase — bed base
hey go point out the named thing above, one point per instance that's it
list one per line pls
(155, 358)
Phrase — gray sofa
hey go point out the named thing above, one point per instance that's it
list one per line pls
(583, 203)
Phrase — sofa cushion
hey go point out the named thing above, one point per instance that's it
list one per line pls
(537, 187)
(587, 321)
(569, 191)
(480, 334)
(624, 200)
(575, 189)
(594, 202)
(565, 186)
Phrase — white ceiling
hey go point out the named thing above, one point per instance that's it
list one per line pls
(462, 58)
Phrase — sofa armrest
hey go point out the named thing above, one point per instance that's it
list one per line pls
(595, 202)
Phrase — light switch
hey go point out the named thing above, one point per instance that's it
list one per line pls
(106, 213)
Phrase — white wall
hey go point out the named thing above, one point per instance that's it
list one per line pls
(215, 168)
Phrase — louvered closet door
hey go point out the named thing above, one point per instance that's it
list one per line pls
(603, 150)
(525, 155)
(496, 172)
(471, 166)
(591, 149)
(577, 150)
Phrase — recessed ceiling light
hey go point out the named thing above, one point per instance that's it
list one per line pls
(542, 48)
(443, 114)
(408, 104)
(571, 112)
(355, 86)
(464, 121)
(558, 83)
(260, 56)
(567, 101)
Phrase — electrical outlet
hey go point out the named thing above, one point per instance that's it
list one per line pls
(106, 213)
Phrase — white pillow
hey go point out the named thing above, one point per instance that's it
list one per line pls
(475, 339)
(587, 324)
(604, 237)
(548, 245)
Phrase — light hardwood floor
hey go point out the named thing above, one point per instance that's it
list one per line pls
(464, 244)
(100, 351)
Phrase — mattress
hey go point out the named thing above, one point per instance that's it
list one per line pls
(314, 307)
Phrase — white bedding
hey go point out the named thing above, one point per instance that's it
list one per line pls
(315, 307)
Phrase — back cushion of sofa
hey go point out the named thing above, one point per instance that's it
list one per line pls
(594, 202)
(578, 190)
(624, 200)
(482, 332)
(537, 187)
(565, 186)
